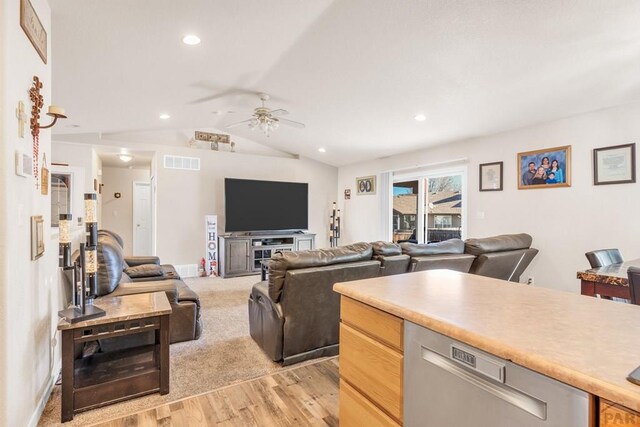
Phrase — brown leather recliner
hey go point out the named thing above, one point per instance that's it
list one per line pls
(295, 315)
(114, 281)
(448, 254)
(501, 257)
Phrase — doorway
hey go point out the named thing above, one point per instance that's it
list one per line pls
(142, 219)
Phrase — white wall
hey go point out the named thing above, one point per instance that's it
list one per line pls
(564, 222)
(185, 197)
(117, 214)
(29, 298)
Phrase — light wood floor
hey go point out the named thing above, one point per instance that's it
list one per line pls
(304, 396)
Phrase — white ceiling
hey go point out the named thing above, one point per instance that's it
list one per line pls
(355, 71)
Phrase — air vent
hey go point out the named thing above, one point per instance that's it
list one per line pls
(187, 270)
(183, 163)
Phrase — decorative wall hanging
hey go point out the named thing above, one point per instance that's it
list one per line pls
(366, 185)
(33, 28)
(53, 111)
(614, 165)
(211, 224)
(347, 194)
(22, 118)
(211, 141)
(491, 176)
(44, 174)
(37, 237)
(546, 168)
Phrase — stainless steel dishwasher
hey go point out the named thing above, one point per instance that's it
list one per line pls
(447, 383)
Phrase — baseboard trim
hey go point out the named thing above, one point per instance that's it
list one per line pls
(33, 422)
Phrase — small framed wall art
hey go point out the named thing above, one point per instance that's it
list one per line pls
(33, 28)
(614, 165)
(37, 237)
(491, 176)
(366, 185)
(546, 168)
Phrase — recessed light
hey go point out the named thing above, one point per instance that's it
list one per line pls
(191, 39)
(322, 150)
(165, 116)
(420, 117)
(125, 157)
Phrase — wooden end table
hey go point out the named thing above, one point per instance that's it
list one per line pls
(106, 378)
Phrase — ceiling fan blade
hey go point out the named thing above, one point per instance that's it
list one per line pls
(232, 125)
(233, 91)
(279, 112)
(291, 123)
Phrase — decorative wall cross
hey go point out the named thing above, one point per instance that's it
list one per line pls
(22, 117)
(38, 101)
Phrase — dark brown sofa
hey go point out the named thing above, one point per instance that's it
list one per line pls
(295, 315)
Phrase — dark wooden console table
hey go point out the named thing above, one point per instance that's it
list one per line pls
(609, 281)
(106, 378)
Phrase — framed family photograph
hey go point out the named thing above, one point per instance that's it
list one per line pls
(546, 168)
(614, 165)
(366, 185)
(491, 176)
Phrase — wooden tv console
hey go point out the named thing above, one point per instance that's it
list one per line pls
(241, 255)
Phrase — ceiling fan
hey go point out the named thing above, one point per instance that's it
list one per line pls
(266, 119)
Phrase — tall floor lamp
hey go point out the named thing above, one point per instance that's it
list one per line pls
(83, 271)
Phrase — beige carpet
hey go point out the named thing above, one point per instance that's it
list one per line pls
(224, 354)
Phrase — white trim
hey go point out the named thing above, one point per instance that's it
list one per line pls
(42, 403)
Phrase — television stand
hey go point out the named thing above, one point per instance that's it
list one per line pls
(242, 255)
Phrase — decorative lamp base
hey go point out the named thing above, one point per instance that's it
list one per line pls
(75, 315)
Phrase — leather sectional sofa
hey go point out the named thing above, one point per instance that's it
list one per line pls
(295, 315)
(119, 275)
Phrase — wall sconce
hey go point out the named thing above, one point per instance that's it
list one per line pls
(38, 103)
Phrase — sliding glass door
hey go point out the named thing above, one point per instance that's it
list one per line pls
(428, 207)
(443, 216)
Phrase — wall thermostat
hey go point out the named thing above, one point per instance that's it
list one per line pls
(24, 164)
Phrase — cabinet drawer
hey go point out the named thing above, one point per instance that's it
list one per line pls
(382, 326)
(374, 369)
(357, 411)
(612, 415)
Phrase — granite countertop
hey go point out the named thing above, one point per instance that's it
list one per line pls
(126, 307)
(589, 343)
(614, 274)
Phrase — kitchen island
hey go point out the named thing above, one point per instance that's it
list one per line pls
(586, 343)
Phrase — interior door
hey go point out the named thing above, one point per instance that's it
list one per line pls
(142, 225)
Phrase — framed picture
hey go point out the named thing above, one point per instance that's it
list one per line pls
(546, 168)
(33, 28)
(491, 176)
(37, 237)
(366, 185)
(614, 165)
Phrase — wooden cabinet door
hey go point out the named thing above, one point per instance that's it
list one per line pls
(238, 256)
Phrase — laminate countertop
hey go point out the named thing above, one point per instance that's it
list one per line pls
(589, 343)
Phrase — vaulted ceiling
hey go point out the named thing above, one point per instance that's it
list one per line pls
(356, 72)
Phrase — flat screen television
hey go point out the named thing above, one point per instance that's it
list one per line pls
(252, 205)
